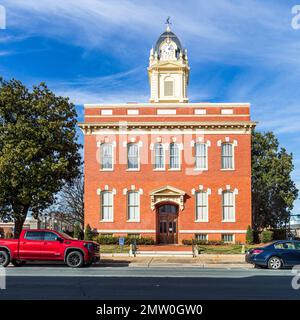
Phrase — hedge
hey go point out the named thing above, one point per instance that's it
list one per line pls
(128, 240)
(202, 242)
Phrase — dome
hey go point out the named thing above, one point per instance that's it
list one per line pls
(172, 36)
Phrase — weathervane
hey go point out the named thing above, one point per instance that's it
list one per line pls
(168, 23)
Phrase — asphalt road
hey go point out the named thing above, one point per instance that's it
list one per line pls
(127, 283)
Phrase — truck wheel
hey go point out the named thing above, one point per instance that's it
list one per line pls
(4, 258)
(74, 259)
(18, 263)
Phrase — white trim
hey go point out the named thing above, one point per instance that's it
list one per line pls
(214, 231)
(126, 231)
(226, 111)
(228, 233)
(164, 155)
(138, 131)
(167, 105)
(133, 189)
(233, 154)
(200, 111)
(113, 145)
(207, 204)
(133, 111)
(106, 112)
(180, 147)
(166, 111)
(234, 204)
(206, 152)
(139, 145)
(112, 206)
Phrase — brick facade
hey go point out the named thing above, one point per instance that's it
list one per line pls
(185, 128)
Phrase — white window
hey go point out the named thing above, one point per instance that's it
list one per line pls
(227, 238)
(201, 237)
(133, 156)
(106, 206)
(227, 156)
(174, 156)
(133, 206)
(159, 156)
(228, 205)
(106, 151)
(201, 156)
(201, 206)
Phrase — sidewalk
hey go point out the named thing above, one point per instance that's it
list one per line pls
(203, 261)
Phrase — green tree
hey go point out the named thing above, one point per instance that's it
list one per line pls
(249, 235)
(273, 190)
(88, 233)
(39, 152)
(78, 231)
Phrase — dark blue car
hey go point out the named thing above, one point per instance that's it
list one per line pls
(276, 255)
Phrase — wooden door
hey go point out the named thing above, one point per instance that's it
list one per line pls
(167, 224)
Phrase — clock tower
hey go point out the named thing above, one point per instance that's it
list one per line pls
(168, 69)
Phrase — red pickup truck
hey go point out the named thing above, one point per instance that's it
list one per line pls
(48, 245)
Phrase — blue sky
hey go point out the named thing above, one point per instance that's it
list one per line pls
(96, 51)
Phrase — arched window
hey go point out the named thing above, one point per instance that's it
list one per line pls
(227, 156)
(201, 206)
(159, 156)
(133, 206)
(107, 205)
(228, 206)
(201, 156)
(106, 154)
(133, 156)
(174, 156)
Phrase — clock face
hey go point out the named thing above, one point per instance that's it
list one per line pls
(167, 49)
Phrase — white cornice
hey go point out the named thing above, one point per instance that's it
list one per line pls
(167, 105)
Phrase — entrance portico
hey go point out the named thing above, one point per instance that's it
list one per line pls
(167, 201)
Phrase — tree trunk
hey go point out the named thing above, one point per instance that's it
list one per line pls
(19, 222)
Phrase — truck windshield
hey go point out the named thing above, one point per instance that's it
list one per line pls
(66, 236)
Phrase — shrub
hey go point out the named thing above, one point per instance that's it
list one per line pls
(88, 233)
(128, 240)
(249, 236)
(266, 236)
(77, 231)
(202, 242)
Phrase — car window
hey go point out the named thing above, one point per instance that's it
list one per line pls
(297, 245)
(285, 246)
(34, 235)
(50, 236)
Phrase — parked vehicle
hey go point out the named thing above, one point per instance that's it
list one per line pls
(48, 245)
(276, 255)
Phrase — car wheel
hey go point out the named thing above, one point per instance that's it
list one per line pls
(4, 259)
(18, 263)
(74, 259)
(274, 263)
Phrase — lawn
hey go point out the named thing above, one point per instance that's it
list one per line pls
(223, 249)
(204, 249)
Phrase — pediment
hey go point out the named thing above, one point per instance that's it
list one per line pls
(167, 191)
(168, 65)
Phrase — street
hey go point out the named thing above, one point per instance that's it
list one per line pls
(126, 283)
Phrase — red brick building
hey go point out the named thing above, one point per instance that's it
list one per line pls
(168, 169)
